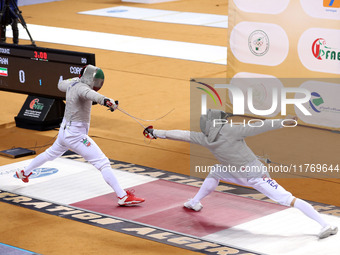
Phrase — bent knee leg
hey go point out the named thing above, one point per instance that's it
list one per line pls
(285, 198)
(100, 162)
(55, 151)
(213, 175)
(91, 153)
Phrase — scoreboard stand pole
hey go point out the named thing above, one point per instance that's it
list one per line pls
(40, 113)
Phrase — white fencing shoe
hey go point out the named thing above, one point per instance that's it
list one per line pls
(328, 231)
(196, 207)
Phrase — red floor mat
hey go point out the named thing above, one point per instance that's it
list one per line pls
(164, 208)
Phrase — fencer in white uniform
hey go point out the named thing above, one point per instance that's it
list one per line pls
(81, 92)
(238, 163)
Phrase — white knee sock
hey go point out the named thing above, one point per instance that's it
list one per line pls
(110, 179)
(309, 211)
(36, 162)
(208, 186)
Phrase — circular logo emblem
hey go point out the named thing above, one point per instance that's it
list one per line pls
(34, 102)
(258, 42)
(41, 172)
(315, 101)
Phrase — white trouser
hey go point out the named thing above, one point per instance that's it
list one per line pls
(264, 184)
(73, 136)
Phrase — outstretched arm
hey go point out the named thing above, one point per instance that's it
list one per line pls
(180, 135)
(87, 93)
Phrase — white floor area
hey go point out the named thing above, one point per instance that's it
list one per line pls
(75, 181)
(124, 43)
(288, 232)
(184, 18)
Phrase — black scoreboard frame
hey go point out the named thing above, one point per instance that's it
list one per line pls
(36, 71)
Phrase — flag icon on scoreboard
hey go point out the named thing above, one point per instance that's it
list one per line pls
(3, 71)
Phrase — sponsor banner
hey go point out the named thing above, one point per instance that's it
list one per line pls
(262, 87)
(262, 6)
(319, 50)
(294, 39)
(322, 9)
(324, 104)
(259, 43)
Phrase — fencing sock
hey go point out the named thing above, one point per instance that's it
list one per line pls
(309, 211)
(36, 162)
(208, 186)
(110, 179)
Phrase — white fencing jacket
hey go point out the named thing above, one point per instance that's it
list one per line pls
(229, 148)
(79, 98)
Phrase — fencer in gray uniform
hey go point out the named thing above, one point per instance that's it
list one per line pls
(81, 92)
(238, 163)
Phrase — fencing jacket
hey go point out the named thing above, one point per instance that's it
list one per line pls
(79, 98)
(229, 148)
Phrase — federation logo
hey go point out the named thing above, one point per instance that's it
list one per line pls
(321, 51)
(35, 105)
(258, 42)
(331, 3)
(317, 103)
(41, 172)
(317, 48)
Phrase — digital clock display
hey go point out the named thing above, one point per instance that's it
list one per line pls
(37, 71)
(40, 55)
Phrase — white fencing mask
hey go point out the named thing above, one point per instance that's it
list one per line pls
(92, 76)
(207, 123)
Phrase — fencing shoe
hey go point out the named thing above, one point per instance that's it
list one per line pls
(196, 207)
(328, 231)
(130, 199)
(21, 175)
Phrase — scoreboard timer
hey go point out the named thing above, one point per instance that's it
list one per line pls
(36, 71)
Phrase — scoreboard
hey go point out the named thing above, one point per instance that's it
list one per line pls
(37, 71)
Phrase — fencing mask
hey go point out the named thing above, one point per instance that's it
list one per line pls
(207, 123)
(92, 76)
